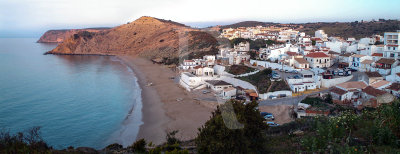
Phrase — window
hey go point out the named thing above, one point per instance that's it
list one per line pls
(392, 55)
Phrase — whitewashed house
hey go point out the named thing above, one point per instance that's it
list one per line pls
(229, 93)
(318, 60)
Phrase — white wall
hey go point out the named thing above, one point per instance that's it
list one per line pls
(327, 83)
(267, 64)
(237, 82)
(276, 93)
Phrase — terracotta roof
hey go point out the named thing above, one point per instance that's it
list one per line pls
(394, 86)
(338, 91)
(398, 74)
(386, 61)
(301, 60)
(380, 83)
(377, 54)
(291, 53)
(373, 74)
(333, 53)
(367, 61)
(358, 56)
(372, 91)
(197, 67)
(345, 55)
(317, 55)
(229, 89)
(353, 85)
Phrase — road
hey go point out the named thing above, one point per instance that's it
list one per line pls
(288, 100)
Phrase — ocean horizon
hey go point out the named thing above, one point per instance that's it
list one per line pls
(77, 100)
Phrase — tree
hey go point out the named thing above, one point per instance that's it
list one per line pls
(328, 99)
(139, 146)
(216, 137)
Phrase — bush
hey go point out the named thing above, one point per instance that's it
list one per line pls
(29, 141)
(139, 146)
(221, 134)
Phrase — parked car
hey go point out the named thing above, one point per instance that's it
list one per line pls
(287, 71)
(273, 97)
(340, 73)
(294, 71)
(297, 76)
(272, 124)
(267, 116)
(276, 76)
(281, 70)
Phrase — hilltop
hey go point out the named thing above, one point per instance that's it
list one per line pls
(147, 36)
(58, 36)
(341, 29)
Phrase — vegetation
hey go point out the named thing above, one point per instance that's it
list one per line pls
(218, 136)
(371, 131)
(239, 69)
(261, 80)
(279, 86)
(23, 142)
(368, 131)
(316, 102)
(340, 29)
(353, 29)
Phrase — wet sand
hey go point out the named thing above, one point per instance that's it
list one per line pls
(162, 112)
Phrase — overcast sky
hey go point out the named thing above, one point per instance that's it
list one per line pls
(33, 17)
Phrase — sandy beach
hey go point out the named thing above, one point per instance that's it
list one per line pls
(162, 112)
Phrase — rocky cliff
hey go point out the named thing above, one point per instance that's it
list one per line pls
(146, 36)
(58, 36)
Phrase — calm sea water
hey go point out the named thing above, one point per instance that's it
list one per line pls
(77, 100)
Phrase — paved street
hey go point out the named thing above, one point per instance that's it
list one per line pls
(287, 100)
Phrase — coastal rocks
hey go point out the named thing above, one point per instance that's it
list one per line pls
(58, 36)
(147, 37)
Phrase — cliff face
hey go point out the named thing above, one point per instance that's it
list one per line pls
(58, 36)
(146, 36)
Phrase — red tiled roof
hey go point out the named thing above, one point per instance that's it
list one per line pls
(395, 86)
(291, 53)
(317, 55)
(301, 60)
(338, 91)
(372, 91)
(386, 61)
(377, 54)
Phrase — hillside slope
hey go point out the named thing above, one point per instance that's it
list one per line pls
(58, 36)
(146, 36)
(339, 29)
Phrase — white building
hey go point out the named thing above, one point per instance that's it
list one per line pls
(228, 93)
(189, 81)
(321, 34)
(242, 46)
(218, 85)
(318, 60)
(303, 83)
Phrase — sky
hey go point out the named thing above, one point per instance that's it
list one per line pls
(24, 18)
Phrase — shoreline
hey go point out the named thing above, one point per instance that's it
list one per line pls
(161, 112)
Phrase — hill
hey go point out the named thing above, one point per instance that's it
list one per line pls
(146, 36)
(58, 36)
(340, 29)
(352, 29)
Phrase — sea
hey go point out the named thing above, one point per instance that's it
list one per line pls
(76, 100)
